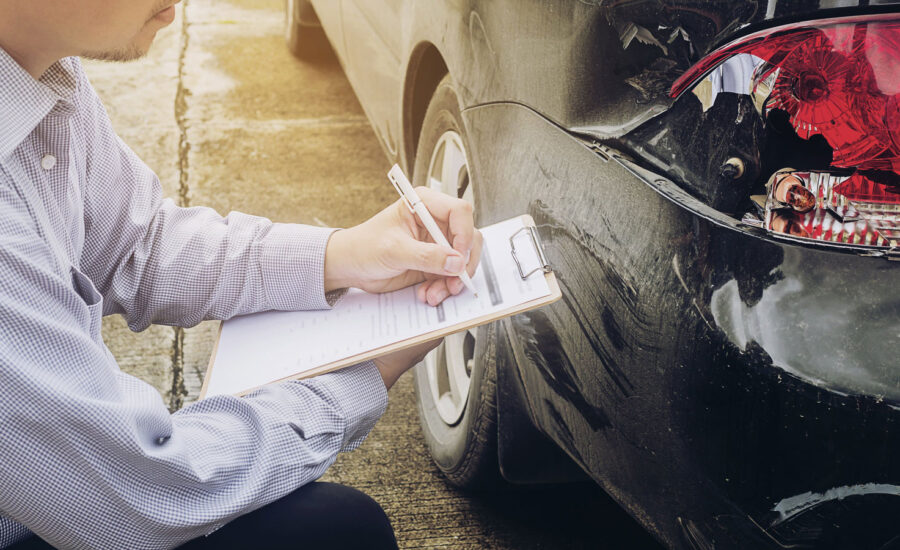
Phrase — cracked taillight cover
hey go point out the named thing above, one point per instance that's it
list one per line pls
(839, 79)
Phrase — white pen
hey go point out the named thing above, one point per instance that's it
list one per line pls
(415, 204)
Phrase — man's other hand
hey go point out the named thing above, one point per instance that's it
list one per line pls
(392, 365)
(393, 250)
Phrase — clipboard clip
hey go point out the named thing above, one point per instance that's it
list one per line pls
(544, 266)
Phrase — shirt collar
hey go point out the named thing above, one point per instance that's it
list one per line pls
(24, 101)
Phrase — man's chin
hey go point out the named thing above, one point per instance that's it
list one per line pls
(128, 53)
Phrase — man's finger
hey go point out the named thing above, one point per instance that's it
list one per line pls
(455, 285)
(454, 214)
(431, 258)
(475, 253)
(422, 291)
(437, 292)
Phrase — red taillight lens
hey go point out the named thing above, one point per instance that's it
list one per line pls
(837, 78)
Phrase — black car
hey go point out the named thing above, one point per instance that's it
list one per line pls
(716, 187)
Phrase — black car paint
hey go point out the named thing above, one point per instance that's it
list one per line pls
(640, 373)
(633, 375)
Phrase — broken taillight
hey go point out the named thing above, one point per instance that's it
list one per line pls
(839, 79)
(837, 208)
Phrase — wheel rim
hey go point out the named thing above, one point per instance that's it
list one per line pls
(449, 367)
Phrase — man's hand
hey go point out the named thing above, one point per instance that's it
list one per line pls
(392, 250)
(392, 365)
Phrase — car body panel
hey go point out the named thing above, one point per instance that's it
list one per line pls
(729, 389)
(640, 373)
(602, 67)
(374, 56)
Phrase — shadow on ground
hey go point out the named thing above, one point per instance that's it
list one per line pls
(575, 516)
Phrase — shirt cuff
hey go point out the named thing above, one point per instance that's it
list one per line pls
(292, 260)
(360, 393)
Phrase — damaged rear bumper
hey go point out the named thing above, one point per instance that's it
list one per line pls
(728, 389)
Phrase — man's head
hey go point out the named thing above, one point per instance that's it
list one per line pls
(38, 32)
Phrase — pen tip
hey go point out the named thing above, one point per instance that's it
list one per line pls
(476, 295)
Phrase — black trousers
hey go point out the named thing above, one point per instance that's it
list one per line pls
(317, 515)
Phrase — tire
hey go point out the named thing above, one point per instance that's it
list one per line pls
(304, 35)
(460, 430)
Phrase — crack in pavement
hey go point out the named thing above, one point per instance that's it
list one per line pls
(178, 391)
(181, 95)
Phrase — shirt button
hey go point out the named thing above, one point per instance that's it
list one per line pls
(48, 162)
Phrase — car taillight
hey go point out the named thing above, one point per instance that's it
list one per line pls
(839, 79)
(837, 208)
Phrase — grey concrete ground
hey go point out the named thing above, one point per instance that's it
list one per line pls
(228, 119)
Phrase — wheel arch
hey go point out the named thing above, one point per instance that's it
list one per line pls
(425, 69)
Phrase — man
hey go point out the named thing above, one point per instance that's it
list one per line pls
(89, 456)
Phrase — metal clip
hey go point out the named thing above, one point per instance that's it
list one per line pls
(544, 265)
(399, 190)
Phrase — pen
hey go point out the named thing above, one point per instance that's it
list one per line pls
(415, 204)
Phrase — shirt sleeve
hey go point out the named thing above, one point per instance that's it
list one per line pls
(155, 262)
(91, 456)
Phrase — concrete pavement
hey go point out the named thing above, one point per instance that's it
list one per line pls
(228, 119)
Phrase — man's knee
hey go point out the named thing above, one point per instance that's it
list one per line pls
(346, 514)
(318, 515)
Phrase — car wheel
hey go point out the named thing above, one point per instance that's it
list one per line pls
(456, 383)
(304, 34)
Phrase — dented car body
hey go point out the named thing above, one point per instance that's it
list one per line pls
(726, 366)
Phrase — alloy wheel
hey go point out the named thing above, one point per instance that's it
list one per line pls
(449, 366)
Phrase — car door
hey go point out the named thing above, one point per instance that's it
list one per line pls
(372, 30)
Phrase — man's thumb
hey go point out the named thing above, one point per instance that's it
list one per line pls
(433, 258)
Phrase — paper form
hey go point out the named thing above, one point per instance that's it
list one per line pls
(257, 349)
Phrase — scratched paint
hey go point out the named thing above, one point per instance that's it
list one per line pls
(544, 349)
(703, 415)
(705, 354)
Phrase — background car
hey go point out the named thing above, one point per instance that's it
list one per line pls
(716, 187)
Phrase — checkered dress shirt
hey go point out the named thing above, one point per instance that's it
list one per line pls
(89, 456)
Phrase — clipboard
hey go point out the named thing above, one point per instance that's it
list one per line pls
(530, 261)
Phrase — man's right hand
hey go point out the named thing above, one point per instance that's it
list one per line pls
(392, 250)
